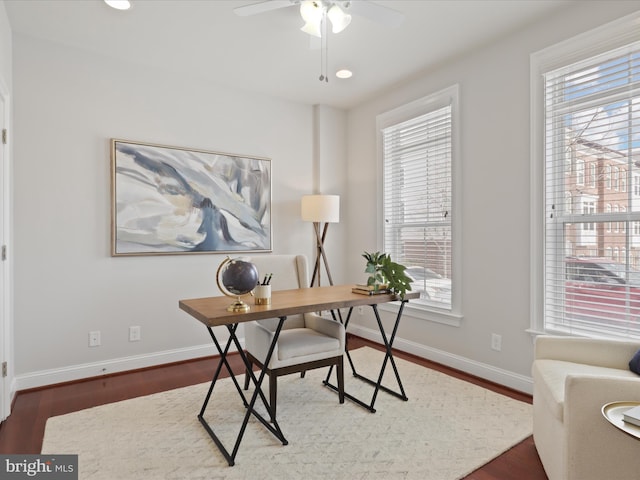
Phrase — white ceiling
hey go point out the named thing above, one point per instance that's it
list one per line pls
(267, 53)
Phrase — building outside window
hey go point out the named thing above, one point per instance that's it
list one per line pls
(588, 282)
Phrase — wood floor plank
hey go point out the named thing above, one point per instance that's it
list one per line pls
(23, 431)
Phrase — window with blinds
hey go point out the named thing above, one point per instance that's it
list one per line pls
(592, 198)
(417, 201)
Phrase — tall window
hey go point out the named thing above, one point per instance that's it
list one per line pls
(418, 203)
(591, 107)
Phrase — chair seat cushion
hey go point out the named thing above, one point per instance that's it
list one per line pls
(549, 378)
(302, 342)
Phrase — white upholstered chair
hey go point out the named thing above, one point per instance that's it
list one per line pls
(306, 341)
(572, 379)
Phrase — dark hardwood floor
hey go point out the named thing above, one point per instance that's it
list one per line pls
(23, 431)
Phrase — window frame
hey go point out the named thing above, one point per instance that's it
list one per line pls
(610, 36)
(429, 103)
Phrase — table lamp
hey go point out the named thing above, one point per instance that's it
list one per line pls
(321, 209)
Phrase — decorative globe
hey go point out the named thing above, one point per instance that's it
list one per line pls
(236, 277)
(240, 277)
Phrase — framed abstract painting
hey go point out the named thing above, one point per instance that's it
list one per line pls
(172, 200)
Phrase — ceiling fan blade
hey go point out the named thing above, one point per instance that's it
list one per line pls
(378, 13)
(261, 7)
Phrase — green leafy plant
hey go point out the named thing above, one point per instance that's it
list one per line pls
(385, 273)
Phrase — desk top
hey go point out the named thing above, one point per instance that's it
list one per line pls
(212, 311)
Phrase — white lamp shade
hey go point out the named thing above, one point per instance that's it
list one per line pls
(321, 208)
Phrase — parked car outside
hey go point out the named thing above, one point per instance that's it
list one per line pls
(601, 291)
(431, 285)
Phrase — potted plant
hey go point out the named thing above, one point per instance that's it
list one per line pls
(386, 274)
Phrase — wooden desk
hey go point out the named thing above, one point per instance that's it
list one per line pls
(212, 312)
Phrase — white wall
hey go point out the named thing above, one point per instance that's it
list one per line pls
(494, 131)
(68, 105)
(330, 170)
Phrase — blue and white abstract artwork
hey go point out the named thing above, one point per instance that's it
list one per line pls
(171, 200)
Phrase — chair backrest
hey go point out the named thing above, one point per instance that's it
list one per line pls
(289, 271)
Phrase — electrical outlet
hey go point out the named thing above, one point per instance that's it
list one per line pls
(94, 338)
(496, 342)
(134, 334)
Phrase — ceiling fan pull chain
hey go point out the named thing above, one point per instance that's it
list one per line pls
(322, 40)
(324, 50)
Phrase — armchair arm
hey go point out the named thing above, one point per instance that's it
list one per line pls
(590, 351)
(326, 326)
(594, 447)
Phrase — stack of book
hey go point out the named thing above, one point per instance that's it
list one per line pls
(632, 416)
(370, 289)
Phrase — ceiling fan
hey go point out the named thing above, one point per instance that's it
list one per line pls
(342, 8)
(318, 13)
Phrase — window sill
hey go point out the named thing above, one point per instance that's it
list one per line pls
(602, 334)
(425, 313)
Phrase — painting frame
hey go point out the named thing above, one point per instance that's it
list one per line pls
(168, 200)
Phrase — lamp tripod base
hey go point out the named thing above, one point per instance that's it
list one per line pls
(320, 254)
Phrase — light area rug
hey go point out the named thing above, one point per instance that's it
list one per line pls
(446, 429)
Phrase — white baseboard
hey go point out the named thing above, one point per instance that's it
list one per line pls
(77, 372)
(509, 379)
(88, 370)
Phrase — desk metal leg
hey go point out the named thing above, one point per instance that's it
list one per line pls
(346, 349)
(273, 427)
(388, 358)
(223, 361)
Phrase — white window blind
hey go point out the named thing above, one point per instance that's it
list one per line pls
(592, 152)
(417, 186)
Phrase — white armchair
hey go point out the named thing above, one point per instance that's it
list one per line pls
(306, 341)
(572, 379)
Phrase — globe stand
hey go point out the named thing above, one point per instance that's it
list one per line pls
(238, 306)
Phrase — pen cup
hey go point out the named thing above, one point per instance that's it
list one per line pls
(262, 295)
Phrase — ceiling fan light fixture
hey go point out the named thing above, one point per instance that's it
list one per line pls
(339, 19)
(312, 29)
(119, 4)
(344, 73)
(312, 13)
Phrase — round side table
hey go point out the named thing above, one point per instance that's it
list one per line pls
(614, 411)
